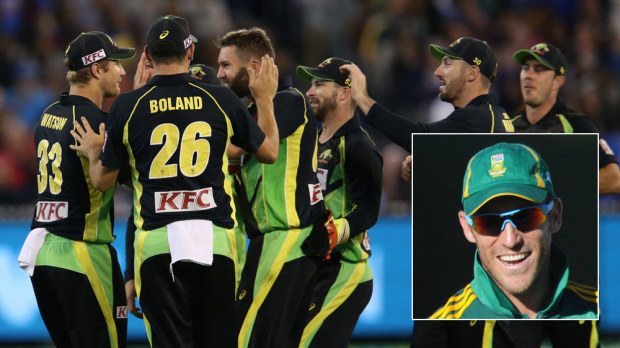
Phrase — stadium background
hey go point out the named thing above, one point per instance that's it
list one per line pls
(389, 40)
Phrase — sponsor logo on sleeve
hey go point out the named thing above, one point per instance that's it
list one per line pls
(316, 194)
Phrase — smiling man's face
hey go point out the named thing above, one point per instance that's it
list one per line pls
(517, 261)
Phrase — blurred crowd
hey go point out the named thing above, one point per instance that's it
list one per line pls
(388, 39)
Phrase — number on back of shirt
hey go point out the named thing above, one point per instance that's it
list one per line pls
(194, 150)
(53, 156)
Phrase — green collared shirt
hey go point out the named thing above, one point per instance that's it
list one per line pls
(482, 298)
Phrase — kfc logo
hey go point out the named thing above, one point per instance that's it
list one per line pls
(175, 201)
(52, 211)
(316, 194)
(188, 42)
(121, 312)
(94, 57)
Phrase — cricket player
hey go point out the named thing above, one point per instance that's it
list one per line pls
(350, 169)
(74, 269)
(174, 132)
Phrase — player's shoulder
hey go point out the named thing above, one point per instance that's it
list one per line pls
(289, 96)
(457, 304)
(585, 292)
(219, 93)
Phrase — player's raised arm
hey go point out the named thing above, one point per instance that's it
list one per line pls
(359, 91)
(263, 85)
(90, 145)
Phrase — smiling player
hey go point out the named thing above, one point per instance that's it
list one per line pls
(510, 211)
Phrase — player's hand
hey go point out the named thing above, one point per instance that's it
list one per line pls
(130, 293)
(90, 143)
(405, 169)
(264, 82)
(326, 234)
(234, 158)
(359, 91)
(338, 232)
(144, 72)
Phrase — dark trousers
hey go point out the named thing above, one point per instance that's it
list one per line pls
(337, 329)
(196, 309)
(70, 310)
(281, 317)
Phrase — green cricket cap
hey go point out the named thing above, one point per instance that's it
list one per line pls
(505, 169)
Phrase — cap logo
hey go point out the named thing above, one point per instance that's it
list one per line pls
(497, 165)
(93, 57)
(456, 42)
(67, 50)
(477, 61)
(325, 62)
(540, 48)
(164, 34)
(347, 82)
(188, 42)
(562, 70)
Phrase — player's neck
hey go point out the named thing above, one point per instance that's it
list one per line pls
(536, 113)
(88, 91)
(468, 94)
(536, 298)
(170, 69)
(332, 123)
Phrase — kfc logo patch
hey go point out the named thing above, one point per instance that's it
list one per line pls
(121, 312)
(188, 42)
(175, 201)
(94, 57)
(51, 211)
(316, 194)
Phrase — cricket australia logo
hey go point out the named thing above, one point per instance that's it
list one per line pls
(540, 48)
(325, 156)
(497, 165)
(327, 61)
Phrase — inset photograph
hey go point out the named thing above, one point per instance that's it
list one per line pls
(505, 226)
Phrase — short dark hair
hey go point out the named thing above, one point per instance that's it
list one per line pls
(252, 42)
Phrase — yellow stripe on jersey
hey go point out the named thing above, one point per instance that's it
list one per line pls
(567, 126)
(91, 219)
(344, 293)
(293, 149)
(487, 336)
(593, 334)
(107, 306)
(492, 118)
(456, 303)
(587, 293)
(137, 186)
(231, 132)
(265, 287)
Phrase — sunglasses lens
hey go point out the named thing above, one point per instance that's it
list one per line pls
(526, 220)
(529, 219)
(488, 225)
